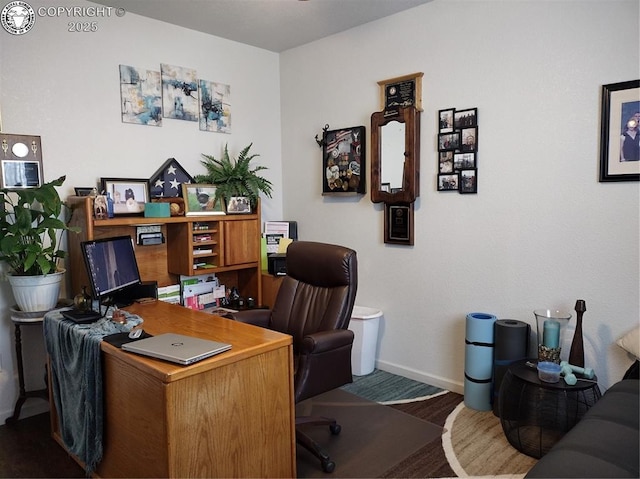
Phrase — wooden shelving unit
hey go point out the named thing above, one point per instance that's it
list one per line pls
(231, 242)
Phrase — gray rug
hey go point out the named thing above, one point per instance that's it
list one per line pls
(383, 387)
(373, 438)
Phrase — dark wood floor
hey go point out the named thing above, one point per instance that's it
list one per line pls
(27, 450)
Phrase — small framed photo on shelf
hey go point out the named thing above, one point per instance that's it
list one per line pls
(445, 118)
(463, 161)
(83, 190)
(468, 181)
(620, 127)
(448, 141)
(129, 195)
(238, 205)
(465, 118)
(448, 182)
(200, 199)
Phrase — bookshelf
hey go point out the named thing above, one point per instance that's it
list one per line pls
(225, 245)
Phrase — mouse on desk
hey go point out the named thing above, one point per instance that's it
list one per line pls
(135, 333)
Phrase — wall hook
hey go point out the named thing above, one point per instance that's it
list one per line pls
(321, 142)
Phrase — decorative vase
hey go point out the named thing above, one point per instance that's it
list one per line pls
(551, 326)
(36, 293)
(576, 353)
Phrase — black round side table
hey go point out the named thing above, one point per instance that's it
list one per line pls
(535, 414)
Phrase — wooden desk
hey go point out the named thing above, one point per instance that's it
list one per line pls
(231, 415)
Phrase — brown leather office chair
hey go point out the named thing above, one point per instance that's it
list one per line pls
(314, 305)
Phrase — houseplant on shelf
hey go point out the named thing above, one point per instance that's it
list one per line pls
(30, 234)
(235, 178)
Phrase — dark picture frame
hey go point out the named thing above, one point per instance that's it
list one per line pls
(620, 107)
(463, 161)
(344, 161)
(449, 141)
(398, 223)
(446, 161)
(469, 139)
(446, 120)
(468, 182)
(465, 118)
(83, 190)
(448, 182)
(129, 195)
(401, 92)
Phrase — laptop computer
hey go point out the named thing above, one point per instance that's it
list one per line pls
(176, 348)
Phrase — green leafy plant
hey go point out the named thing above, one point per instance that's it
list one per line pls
(235, 177)
(31, 229)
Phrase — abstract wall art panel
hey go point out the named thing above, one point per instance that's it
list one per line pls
(179, 93)
(215, 107)
(140, 96)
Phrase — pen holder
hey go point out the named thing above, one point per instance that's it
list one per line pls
(551, 326)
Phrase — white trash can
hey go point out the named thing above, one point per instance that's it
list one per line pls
(364, 324)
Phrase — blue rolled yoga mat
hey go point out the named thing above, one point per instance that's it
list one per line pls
(478, 361)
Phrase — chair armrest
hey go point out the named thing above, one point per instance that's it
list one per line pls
(257, 317)
(324, 341)
(324, 363)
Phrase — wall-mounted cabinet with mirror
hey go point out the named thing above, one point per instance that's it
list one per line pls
(395, 155)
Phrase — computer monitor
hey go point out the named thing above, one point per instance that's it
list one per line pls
(111, 265)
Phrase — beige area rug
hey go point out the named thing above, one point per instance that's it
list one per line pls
(475, 446)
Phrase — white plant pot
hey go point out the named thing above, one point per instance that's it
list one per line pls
(36, 293)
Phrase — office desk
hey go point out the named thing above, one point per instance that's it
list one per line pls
(231, 415)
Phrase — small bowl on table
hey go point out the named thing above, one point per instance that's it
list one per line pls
(549, 372)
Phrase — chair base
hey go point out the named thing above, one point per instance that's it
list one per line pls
(313, 447)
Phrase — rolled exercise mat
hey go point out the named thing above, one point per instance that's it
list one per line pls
(478, 361)
(511, 339)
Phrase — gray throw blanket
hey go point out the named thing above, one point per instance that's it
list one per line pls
(76, 372)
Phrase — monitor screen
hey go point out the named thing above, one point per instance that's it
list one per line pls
(111, 264)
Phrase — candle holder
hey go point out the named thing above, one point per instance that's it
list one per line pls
(551, 326)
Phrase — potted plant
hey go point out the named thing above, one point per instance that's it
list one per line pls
(235, 178)
(30, 234)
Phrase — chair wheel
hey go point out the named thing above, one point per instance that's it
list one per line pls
(328, 466)
(335, 429)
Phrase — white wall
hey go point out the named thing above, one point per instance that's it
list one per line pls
(65, 87)
(541, 232)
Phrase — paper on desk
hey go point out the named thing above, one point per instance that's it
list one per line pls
(284, 244)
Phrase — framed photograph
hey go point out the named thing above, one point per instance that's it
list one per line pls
(129, 195)
(620, 132)
(465, 118)
(446, 162)
(402, 92)
(469, 139)
(201, 199)
(463, 161)
(468, 181)
(238, 205)
(448, 141)
(445, 120)
(83, 190)
(448, 182)
(343, 161)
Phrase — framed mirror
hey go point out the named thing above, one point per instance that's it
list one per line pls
(395, 155)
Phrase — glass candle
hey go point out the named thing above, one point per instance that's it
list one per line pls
(551, 326)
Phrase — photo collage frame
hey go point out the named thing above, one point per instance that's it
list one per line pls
(458, 150)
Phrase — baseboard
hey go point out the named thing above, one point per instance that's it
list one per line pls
(421, 376)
